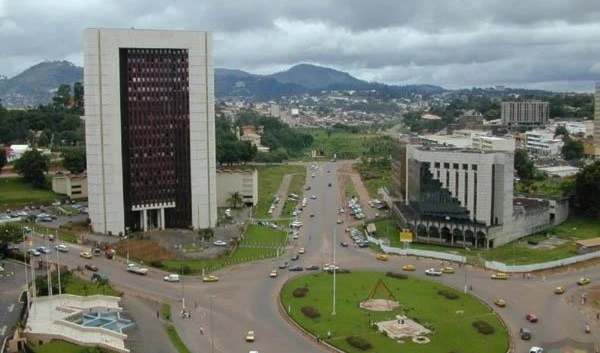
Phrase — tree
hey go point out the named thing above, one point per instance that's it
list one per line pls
(78, 94)
(74, 160)
(573, 149)
(235, 199)
(587, 184)
(561, 131)
(62, 97)
(33, 166)
(523, 165)
(3, 158)
(10, 233)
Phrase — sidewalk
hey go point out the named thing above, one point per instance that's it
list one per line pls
(149, 334)
(282, 192)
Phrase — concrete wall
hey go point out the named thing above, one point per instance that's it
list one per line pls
(243, 181)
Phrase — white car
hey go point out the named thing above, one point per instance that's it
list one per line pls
(296, 224)
(273, 274)
(62, 248)
(250, 336)
(220, 243)
(330, 267)
(43, 249)
(313, 197)
(34, 252)
(433, 272)
(536, 350)
(172, 278)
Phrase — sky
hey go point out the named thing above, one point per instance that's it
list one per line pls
(549, 44)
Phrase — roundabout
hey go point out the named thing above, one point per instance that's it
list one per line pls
(430, 317)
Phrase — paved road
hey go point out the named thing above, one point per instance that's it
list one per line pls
(246, 298)
(11, 287)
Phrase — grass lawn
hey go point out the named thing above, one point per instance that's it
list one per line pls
(62, 347)
(259, 242)
(14, 192)
(349, 189)
(64, 235)
(550, 187)
(344, 145)
(419, 300)
(269, 178)
(175, 339)
(519, 252)
(296, 185)
(74, 285)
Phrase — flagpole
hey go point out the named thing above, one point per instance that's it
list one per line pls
(58, 265)
(26, 276)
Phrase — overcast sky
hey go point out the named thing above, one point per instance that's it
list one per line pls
(549, 44)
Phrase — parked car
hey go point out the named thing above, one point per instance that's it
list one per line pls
(301, 250)
(283, 265)
(525, 333)
(536, 350)
(296, 268)
(433, 272)
(312, 268)
(295, 257)
(344, 244)
(447, 269)
(91, 267)
(97, 277)
(220, 243)
(172, 278)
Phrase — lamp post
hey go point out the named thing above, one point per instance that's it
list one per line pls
(26, 277)
(334, 265)
(212, 342)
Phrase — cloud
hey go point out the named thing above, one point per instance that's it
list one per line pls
(453, 43)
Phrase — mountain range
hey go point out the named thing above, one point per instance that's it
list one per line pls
(36, 84)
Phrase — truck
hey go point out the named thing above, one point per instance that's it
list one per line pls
(137, 269)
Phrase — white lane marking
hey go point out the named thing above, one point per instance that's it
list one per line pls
(11, 308)
(3, 331)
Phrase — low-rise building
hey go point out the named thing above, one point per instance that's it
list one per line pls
(540, 142)
(73, 185)
(243, 181)
(491, 143)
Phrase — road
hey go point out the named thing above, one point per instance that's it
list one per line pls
(11, 286)
(245, 298)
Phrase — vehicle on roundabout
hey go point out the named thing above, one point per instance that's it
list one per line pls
(525, 333)
(313, 268)
(283, 265)
(531, 317)
(86, 255)
(250, 337)
(447, 269)
(330, 267)
(296, 268)
(172, 278)
(301, 250)
(210, 278)
(91, 267)
(382, 257)
(220, 243)
(536, 350)
(583, 281)
(329, 184)
(273, 274)
(559, 290)
(433, 272)
(408, 268)
(499, 275)
(500, 302)
(295, 257)
(344, 244)
(62, 248)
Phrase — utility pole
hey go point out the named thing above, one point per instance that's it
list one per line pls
(334, 266)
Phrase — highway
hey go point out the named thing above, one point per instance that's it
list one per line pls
(245, 298)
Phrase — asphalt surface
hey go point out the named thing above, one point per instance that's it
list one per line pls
(11, 286)
(245, 298)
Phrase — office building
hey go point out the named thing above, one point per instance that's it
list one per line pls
(524, 114)
(543, 143)
(150, 136)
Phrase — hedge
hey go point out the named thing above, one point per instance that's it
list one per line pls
(358, 342)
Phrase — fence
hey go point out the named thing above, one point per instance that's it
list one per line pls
(416, 252)
(501, 267)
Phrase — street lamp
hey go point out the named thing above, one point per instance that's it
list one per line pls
(334, 265)
(212, 342)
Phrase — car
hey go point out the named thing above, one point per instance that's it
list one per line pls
(296, 224)
(525, 333)
(499, 275)
(313, 175)
(283, 265)
(536, 350)
(273, 274)
(301, 251)
(172, 278)
(531, 317)
(313, 197)
(408, 268)
(312, 214)
(559, 290)
(43, 249)
(34, 252)
(62, 248)
(250, 336)
(295, 257)
(330, 267)
(312, 268)
(210, 278)
(381, 257)
(97, 277)
(433, 272)
(307, 187)
(583, 281)
(329, 184)
(220, 243)
(329, 171)
(500, 302)
(447, 269)
(91, 267)
(86, 255)
(344, 244)
(340, 221)
(296, 268)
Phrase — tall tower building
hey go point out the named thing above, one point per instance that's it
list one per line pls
(149, 113)
(597, 121)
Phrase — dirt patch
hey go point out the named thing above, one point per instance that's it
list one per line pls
(145, 250)
(379, 305)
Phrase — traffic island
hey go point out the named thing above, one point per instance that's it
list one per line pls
(427, 321)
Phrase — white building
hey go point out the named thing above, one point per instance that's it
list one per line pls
(243, 181)
(150, 136)
(573, 128)
(543, 143)
(490, 143)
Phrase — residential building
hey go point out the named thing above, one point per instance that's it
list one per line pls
(597, 120)
(573, 127)
(543, 143)
(244, 181)
(524, 114)
(73, 185)
(491, 143)
(150, 134)
(251, 134)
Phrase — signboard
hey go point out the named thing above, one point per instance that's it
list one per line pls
(406, 236)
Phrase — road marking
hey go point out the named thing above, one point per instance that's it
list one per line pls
(3, 331)
(11, 308)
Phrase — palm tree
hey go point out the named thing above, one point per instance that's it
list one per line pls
(235, 199)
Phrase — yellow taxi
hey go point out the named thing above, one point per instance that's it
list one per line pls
(86, 255)
(382, 257)
(500, 302)
(210, 278)
(447, 269)
(559, 290)
(408, 267)
(499, 275)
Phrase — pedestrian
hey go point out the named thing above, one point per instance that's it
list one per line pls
(201, 331)
(328, 334)
(157, 313)
(597, 316)
(523, 275)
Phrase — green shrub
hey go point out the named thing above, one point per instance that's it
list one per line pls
(397, 275)
(311, 312)
(300, 292)
(358, 342)
(448, 294)
(483, 327)
(156, 263)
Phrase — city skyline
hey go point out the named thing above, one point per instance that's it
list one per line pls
(546, 45)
